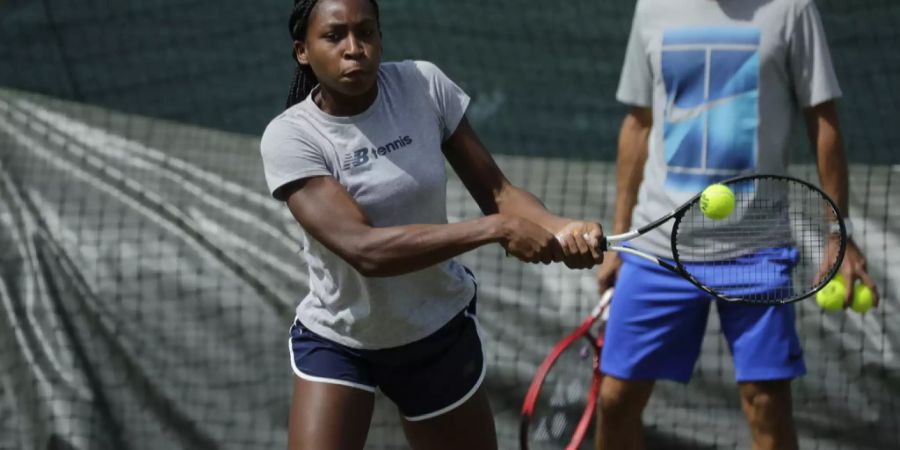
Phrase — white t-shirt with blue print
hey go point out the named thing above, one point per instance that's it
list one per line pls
(726, 80)
(389, 159)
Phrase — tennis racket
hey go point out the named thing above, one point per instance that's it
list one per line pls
(771, 212)
(560, 403)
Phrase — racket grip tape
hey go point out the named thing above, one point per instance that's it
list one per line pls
(603, 244)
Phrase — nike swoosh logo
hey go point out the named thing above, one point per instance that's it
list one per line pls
(675, 114)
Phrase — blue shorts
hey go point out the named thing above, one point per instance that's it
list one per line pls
(657, 321)
(425, 378)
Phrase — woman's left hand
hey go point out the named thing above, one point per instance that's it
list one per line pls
(580, 241)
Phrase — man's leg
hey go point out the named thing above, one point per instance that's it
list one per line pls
(767, 406)
(619, 414)
(767, 353)
(655, 330)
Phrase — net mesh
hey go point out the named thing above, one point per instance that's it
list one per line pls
(147, 283)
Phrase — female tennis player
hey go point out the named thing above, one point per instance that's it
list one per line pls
(359, 158)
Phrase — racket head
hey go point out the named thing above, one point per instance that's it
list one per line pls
(561, 400)
(784, 240)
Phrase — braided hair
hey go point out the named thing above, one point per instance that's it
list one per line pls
(304, 78)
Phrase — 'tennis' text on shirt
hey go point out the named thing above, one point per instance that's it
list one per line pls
(362, 156)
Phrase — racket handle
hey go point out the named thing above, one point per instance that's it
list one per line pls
(603, 245)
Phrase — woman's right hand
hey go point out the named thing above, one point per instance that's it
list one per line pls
(608, 272)
(529, 242)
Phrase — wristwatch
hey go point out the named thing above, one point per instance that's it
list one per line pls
(848, 227)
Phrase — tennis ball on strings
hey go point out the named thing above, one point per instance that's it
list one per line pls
(862, 298)
(831, 297)
(717, 201)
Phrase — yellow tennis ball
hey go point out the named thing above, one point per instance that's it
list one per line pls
(717, 201)
(862, 298)
(831, 297)
(840, 279)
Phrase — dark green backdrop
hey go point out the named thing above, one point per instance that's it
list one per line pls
(543, 74)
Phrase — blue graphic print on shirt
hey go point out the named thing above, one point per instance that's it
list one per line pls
(711, 77)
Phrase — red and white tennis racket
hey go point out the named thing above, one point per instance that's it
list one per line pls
(559, 406)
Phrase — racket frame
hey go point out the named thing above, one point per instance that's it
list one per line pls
(838, 228)
(534, 389)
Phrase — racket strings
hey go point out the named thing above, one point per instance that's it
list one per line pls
(563, 397)
(772, 248)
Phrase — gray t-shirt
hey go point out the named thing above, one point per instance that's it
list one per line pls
(725, 80)
(390, 161)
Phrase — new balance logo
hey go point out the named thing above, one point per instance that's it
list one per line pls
(365, 155)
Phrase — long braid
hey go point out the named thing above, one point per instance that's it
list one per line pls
(304, 78)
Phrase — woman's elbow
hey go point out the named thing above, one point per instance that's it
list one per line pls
(367, 262)
(373, 257)
(367, 268)
(376, 270)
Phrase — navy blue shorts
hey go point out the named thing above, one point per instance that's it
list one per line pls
(425, 378)
(657, 321)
